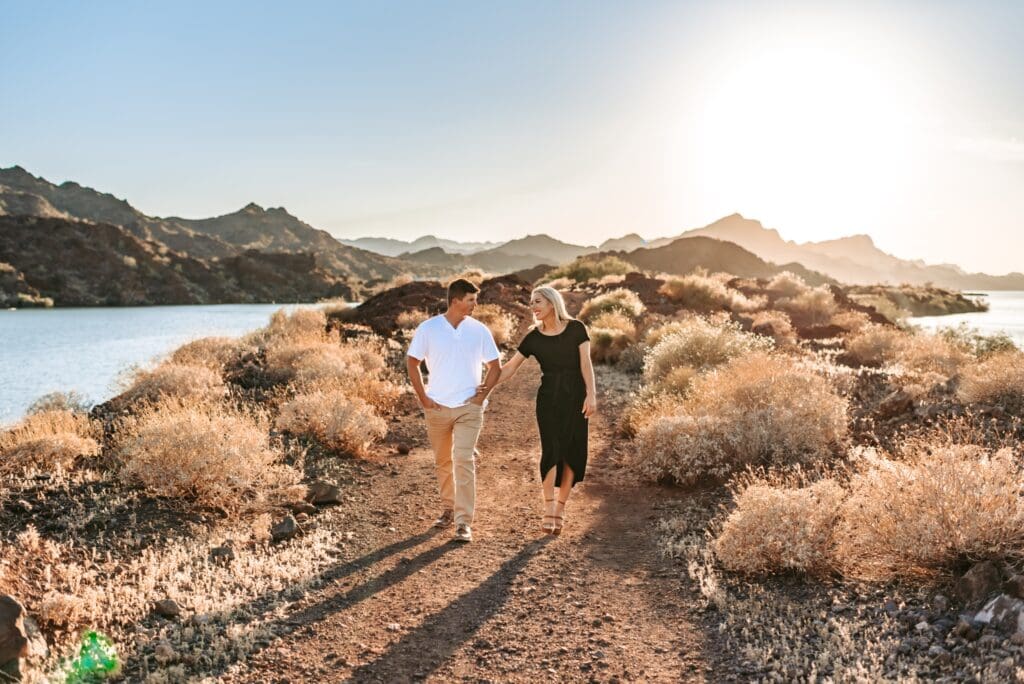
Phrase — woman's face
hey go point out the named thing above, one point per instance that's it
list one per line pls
(540, 306)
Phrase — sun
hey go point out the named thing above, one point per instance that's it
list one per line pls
(801, 129)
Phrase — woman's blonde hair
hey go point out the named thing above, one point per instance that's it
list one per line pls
(555, 298)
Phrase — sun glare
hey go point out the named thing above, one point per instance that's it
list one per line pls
(800, 129)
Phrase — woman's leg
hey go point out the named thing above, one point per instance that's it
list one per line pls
(548, 489)
(564, 490)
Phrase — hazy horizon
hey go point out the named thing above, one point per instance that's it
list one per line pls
(582, 120)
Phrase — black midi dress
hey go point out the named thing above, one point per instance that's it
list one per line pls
(563, 427)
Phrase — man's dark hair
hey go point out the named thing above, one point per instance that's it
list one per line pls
(459, 288)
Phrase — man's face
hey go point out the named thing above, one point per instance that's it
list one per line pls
(465, 305)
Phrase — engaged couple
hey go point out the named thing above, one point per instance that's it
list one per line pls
(456, 348)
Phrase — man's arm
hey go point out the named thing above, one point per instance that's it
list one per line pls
(412, 364)
(490, 380)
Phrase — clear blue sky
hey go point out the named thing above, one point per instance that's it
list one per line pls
(585, 120)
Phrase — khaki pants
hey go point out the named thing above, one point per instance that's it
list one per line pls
(453, 433)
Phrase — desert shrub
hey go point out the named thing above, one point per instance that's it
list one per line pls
(340, 422)
(777, 526)
(500, 322)
(586, 268)
(48, 440)
(204, 453)
(781, 327)
(473, 275)
(60, 401)
(622, 300)
(758, 409)
(814, 306)
(706, 293)
(173, 380)
(212, 352)
(874, 345)
(998, 378)
(698, 343)
(611, 279)
(647, 406)
(607, 345)
(850, 321)
(787, 284)
(926, 353)
(410, 318)
(930, 512)
(882, 304)
(977, 343)
(615, 320)
(300, 325)
(313, 362)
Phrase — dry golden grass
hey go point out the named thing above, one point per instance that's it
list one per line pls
(697, 343)
(311, 362)
(607, 345)
(204, 453)
(758, 409)
(300, 325)
(853, 322)
(501, 323)
(997, 378)
(650, 404)
(174, 380)
(928, 353)
(925, 514)
(586, 268)
(787, 284)
(814, 306)
(874, 345)
(779, 525)
(706, 293)
(47, 441)
(60, 401)
(338, 421)
(622, 300)
(411, 318)
(212, 352)
(782, 329)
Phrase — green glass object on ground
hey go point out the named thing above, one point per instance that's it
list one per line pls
(97, 659)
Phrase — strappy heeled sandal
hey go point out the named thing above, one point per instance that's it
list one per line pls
(558, 525)
(546, 527)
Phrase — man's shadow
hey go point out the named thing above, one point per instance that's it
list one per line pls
(427, 647)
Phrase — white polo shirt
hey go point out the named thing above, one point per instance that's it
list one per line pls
(454, 356)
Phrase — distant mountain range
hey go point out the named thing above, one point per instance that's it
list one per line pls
(222, 252)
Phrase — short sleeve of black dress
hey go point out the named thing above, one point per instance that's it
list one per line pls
(525, 348)
(579, 333)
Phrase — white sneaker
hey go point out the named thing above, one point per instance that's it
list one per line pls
(463, 533)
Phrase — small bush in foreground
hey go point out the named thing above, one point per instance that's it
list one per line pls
(60, 401)
(206, 454)
(931, 512)
(48, 440)
(411, 318)
(174, 380)
(212, 352)
(757, 409)
(698, 343)
(776, 325)
(310, 362)
(874, 345)
(812, 307)
(775, 527)
(998, 378)
(622, 300)
(787, 284)
(340, 422)
(586, 268)
(705, 293)
(500, 322)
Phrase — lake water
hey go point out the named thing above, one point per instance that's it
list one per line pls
(1005, 314)
(87, 349)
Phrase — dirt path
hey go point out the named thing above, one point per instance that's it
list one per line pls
(597, 603)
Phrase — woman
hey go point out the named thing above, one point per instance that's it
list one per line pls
(566, 399)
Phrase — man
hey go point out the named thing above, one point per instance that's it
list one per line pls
(454, 347)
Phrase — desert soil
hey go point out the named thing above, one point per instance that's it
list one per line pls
(407, 603)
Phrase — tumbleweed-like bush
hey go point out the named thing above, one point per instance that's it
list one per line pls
(500, 322)
(622, 300)
(758, 409)
(700, 344)
(48, 440)
(212, 352)
(204, 453)
(930, 512)
(779, 526)
(706, 293)
(814, 306)
(998, 378)
(174, 380)
(337, 420)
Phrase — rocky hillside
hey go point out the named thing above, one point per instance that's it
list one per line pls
(77, 263)
(252, 227)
